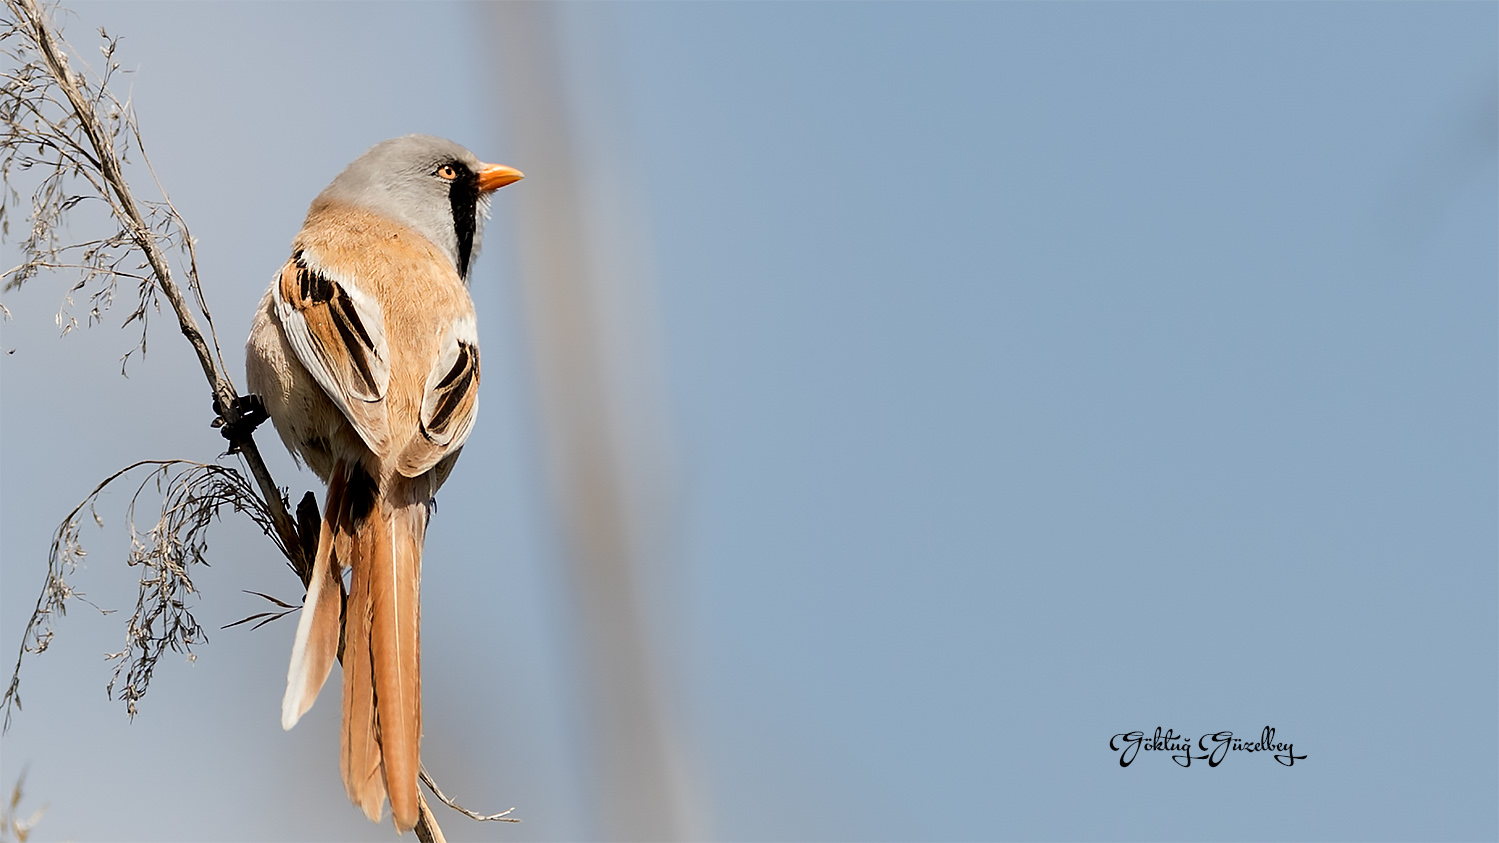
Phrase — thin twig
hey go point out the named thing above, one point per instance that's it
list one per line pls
(194, 494)
(503, 816)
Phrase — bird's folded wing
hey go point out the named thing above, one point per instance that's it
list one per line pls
(450, 402)
(338, 334)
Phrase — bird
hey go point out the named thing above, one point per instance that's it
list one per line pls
(365, 353)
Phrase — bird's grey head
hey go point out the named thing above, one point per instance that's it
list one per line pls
(431, 185)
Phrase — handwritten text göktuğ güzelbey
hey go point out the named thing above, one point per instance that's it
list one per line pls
(1214, 746)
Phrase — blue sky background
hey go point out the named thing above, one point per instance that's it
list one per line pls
(1037, 372)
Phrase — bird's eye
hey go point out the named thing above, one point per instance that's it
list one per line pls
(447, 172)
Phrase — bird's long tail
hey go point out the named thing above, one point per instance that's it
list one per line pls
(382, 706)
(382, 702)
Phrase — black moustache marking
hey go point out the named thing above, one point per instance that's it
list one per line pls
(463, 195)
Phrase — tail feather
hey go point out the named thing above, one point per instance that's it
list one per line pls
(395, 593)
(363, 773)
(316, 644)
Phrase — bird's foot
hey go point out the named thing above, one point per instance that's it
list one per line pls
(236, 425)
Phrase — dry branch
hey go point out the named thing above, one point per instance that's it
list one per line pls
(69, 131)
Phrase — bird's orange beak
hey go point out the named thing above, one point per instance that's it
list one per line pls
(496, 176)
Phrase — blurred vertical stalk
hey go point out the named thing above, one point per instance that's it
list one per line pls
(580, 280)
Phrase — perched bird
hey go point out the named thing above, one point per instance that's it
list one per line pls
(366, 355)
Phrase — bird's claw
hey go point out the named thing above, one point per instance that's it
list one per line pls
(247, 414)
